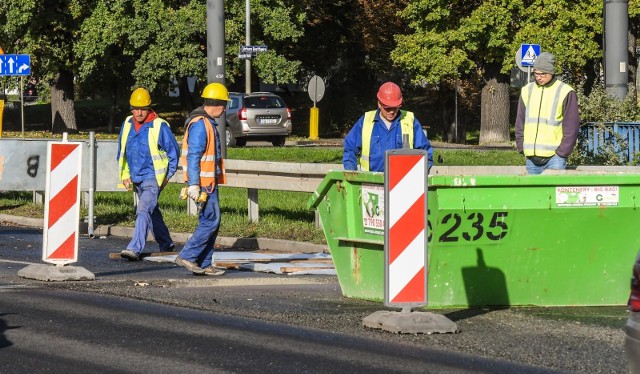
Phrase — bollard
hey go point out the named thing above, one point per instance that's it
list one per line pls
(313, 123)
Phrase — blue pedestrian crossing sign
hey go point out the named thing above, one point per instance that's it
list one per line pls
(529, 53)
(15, 65)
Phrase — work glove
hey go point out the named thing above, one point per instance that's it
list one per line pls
(193, 192)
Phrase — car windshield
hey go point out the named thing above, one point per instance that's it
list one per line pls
(264, 102)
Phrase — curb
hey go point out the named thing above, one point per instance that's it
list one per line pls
(239, 243)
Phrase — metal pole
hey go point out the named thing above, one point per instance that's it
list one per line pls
(215, 58)
(22, 103)
(247, 41)
(456, 113)
(616, 27)
(92, 180)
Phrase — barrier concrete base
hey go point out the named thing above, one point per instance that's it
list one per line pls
(410, 322)
(48, 273)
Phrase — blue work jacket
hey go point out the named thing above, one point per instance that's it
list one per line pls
(382, 139)
(138, 154)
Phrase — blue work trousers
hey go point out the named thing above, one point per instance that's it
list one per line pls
(555, 163)
(148, 217)
(199, 247)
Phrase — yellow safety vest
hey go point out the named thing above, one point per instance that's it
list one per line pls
(160, 158)
(406, 123)
(543, 118)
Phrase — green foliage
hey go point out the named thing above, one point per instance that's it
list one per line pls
(611, 151)
(453, 38)
(570, 30)
(599, 108)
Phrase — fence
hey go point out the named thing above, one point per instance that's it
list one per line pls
(623, 137)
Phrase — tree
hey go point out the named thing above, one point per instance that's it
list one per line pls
(461, 40)
(46, 30)
(156, 43)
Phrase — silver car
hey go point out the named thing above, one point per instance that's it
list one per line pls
(632, 330)
(257, 116)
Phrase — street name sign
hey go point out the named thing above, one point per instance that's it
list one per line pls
(252, 49)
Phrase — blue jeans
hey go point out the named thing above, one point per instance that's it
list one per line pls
(555, 163)
(148, 217)
(199, 247)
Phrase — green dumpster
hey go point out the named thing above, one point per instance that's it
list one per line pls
(561, 239)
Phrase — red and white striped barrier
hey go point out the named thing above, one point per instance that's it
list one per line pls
(62, 203)
(405, 243)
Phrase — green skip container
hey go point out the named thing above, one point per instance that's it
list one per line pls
(497, 237)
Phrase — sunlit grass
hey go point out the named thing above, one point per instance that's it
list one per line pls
(283, 215)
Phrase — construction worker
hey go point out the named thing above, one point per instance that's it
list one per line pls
(148, 156)
(380, 130)
(202, 167)
(548, 122)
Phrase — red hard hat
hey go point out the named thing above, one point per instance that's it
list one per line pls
(389, 94)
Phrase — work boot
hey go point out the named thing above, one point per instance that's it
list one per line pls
(170, 248)
(189, 265)
(212, 270)
(130, 255)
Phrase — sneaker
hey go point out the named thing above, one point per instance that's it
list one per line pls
(189, 265)
(213, 270)
(130, 255)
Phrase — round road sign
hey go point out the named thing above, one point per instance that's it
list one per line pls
(316, 89)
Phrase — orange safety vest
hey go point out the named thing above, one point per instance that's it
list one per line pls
(208, 170)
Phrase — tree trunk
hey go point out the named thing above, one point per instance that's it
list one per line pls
(186, 100)
(63, 114)
(494, 111)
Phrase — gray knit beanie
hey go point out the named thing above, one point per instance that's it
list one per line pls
(545, 63)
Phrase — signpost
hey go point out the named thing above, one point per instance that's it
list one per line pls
(15, 65)
(246, 53)
(525, 56)
(12, 65)
(316, 92)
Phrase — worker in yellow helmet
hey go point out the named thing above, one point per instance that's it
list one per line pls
(201, 163)
(148, 156)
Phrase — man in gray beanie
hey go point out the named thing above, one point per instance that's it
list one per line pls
(548, 121)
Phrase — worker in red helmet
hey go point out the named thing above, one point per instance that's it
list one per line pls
(380, 130)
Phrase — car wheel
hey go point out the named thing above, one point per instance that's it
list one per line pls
(241, 142)
(278, 141)
(231, 140)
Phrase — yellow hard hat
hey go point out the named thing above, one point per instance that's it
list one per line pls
(140, 98)
(215, 91)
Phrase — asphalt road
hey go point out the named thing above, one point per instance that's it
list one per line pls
(295, 324)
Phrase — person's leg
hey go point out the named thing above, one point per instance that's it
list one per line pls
(160, 230)
(208, 223)
(147, 202)
(212, 212)
(532, 168)
(556, 163)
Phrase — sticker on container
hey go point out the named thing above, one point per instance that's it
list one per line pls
(587, 196)
(373, 209)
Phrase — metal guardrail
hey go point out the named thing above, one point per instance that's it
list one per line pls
(23, 168)
(268, 175)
